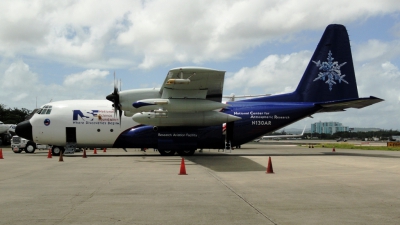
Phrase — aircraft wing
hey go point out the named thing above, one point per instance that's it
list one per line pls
(189, 96)
(341, 105)
(193, 82)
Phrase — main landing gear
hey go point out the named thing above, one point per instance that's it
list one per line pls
(56, 150)
(172, 152)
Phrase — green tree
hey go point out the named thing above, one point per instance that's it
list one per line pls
(12, 116)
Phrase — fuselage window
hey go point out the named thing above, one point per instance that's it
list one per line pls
(45, 110)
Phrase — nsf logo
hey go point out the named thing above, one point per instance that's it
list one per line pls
(47, 122)
(87, 116)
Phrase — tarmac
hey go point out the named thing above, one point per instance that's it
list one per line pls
(308, 186)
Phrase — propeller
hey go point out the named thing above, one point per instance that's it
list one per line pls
(114, 97)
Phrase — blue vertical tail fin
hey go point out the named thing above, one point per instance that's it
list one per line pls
(330, 74)
(329, 80)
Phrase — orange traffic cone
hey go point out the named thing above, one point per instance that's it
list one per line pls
(333, 149)
(49, 155)
(269, 168)
(95, 151)
(1, 153)
(84, 153)
(104, 150)
(183, 169)
(61, 157)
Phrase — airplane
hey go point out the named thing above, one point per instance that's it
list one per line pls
(6, 132)
(284, 135)
(187, 114)
(341, 139)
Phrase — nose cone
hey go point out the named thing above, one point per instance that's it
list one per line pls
(24, 129)
(110, 97)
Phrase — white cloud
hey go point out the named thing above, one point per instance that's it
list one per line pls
(146, 34)
(17, 76)
(222, 29)
(274, 74)
(380, 80)
(86, 79)
(23, 86)
(376, 50)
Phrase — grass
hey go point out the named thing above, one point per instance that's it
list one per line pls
(351, 146)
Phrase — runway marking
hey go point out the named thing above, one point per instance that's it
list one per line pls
(237, 194)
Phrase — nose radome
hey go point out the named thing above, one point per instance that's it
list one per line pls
(24, 129)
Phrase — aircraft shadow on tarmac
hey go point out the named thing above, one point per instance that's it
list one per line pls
(220, 162)
(227, 163)
(216, 162)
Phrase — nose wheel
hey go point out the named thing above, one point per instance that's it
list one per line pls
(30, 147)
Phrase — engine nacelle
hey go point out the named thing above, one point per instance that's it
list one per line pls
(208, 118)
(127, 97)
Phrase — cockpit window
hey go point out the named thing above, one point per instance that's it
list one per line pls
(45, 110)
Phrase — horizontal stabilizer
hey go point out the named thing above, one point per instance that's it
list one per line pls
(341, 105)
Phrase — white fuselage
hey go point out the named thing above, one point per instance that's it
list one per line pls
(94, 121)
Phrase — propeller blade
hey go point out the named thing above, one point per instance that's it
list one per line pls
(114, 97)
(120, 114)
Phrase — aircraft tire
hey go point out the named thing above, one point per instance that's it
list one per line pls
(167, 152)
(55, 150)
(186, 152)
(30, 147)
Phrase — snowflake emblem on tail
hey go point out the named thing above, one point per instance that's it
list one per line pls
(330, 71)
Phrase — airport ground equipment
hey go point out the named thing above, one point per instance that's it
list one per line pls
(19, 144)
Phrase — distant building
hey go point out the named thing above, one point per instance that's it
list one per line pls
(328, 127)
(396, 138)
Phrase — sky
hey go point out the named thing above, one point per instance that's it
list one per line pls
(62, 50)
